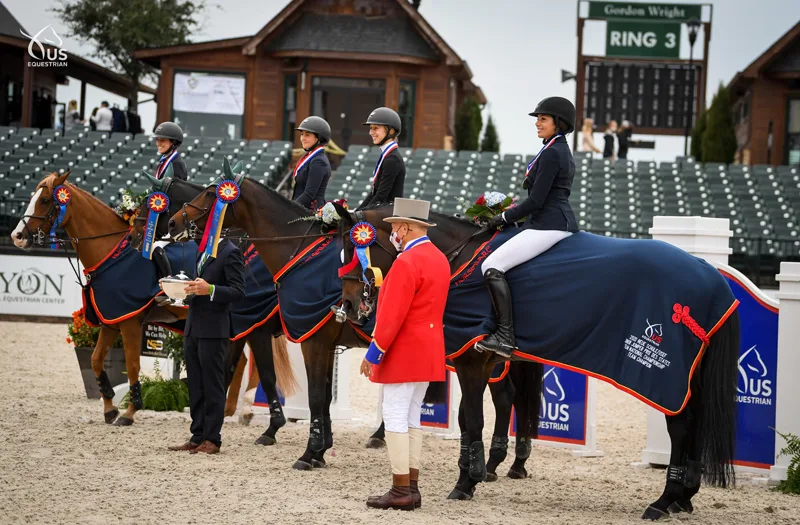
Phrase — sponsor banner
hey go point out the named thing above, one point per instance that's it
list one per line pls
(644, 12)
(153, 338)
(44, 286)
(209, 93)
(755, 386)
(563, 415)
(437, 415)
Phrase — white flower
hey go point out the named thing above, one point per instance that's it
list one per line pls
(493, 198)
(329, 215)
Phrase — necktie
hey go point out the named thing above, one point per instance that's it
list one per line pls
(202, 263)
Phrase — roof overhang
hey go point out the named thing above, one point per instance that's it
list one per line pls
(154, 55)
(366, 57)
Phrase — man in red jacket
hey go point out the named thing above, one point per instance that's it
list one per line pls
(407, 349)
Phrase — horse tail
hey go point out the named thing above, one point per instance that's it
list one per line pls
(284, 375)
(436, 392)
(717, 425)
(527, 379)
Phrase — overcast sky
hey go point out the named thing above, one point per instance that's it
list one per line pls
(515, 48)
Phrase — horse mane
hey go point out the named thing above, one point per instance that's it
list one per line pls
(299, 208)
(48, 181)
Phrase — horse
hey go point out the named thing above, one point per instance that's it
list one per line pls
(265, 338)
(702, 433)
(257, 211)
(95, 231)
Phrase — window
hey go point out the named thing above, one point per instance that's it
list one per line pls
(209, 104)
(289, 107)
(406, 106)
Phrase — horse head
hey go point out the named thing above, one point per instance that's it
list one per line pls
(47, 206)
(360, 285)
(193, 215)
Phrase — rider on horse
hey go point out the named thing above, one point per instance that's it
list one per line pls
(313, 171)
(169, 137)
(549, 216)
(390, 171)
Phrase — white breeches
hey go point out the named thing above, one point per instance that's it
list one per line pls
(402, 405)
(160, 244)
(524, 246)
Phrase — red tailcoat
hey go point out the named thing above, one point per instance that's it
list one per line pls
(408, 327)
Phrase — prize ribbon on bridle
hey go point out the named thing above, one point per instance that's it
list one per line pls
(363, 235)
(227, 193)
(61, 197)
(157, 203)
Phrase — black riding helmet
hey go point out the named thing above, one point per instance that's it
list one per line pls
(385, 117)
(318, 126)
(560, 109)
(169, 130)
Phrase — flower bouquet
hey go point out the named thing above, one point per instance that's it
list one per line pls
(130, 205)
(327, 214)
(487, 206)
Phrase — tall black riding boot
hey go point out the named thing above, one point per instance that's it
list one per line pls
(502, 341)
(162, 262)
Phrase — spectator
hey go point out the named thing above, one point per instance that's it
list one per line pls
(587, 137)
(624, 136)
(608, 137)
(72, 119)
(104, 119)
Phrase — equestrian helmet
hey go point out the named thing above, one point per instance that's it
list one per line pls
(385, 117)
(169, 130)
(317, 125)
(557, 107)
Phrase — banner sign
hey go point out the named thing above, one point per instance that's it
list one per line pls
(44, 286)
(638, 39)
(755, 386)
(563, 415)
(153, 338)
(437, 415)
(209, 93)
(644, 12)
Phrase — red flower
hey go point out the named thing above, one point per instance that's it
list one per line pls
(69, 340)
(481, 201)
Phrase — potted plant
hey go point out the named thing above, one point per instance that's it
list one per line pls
(84, 338)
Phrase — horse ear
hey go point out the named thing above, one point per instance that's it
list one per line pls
(343, 213)
(227, 172)
(156, 183)
(238, 168)
(60, 179)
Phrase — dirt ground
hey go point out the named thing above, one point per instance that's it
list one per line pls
(61, 464)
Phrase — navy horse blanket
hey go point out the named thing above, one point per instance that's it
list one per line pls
(260, 301)
(635, 313)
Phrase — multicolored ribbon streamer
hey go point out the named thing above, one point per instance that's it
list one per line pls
(227, 193)
(363, 235)
(306, 160)
(157, 203)
(390, 147)
(61, 196)
(530, 166)
(165, 161)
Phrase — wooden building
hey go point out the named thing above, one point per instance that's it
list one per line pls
(337, 59)
(766, 104)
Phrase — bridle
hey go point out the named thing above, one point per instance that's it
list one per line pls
(40, 235)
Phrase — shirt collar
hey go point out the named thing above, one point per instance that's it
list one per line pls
(415, 242)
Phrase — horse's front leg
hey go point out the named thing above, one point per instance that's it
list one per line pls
(132, 341)
(104, 341)
(473, 374)
(318, 457)
(503, 400)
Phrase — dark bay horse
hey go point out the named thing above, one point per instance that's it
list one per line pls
(94, 230)
(702, 434)
(268, 218)
(266, 340)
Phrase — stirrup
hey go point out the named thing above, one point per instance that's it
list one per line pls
(500, 349)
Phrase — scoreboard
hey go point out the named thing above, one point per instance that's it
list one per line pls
(654, 97)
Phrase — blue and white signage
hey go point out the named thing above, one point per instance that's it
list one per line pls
(755, 386)
(437, 415)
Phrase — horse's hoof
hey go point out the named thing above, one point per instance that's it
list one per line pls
(302, 465)
(653, 514)
(459, 495)
(681, 506)
(517, 474)
(265, 440)
(123, 422)
(491, 476)
(318, 463)
(111, 415)
(245, 419)
(374, 442)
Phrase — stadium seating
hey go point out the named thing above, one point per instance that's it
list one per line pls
(619, 198)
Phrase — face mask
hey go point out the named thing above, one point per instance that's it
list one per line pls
(395, 240)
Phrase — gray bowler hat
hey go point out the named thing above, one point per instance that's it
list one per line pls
(413, 211)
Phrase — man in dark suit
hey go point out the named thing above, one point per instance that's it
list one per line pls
(220, 282)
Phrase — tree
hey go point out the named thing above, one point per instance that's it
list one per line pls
(117, 28)
(490, 141)
(699, 130)
(719, 139)
(469, 123)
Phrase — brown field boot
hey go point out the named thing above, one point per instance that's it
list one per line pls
(413, 480)
(188, 446)
(206, 447)
(398, 497)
